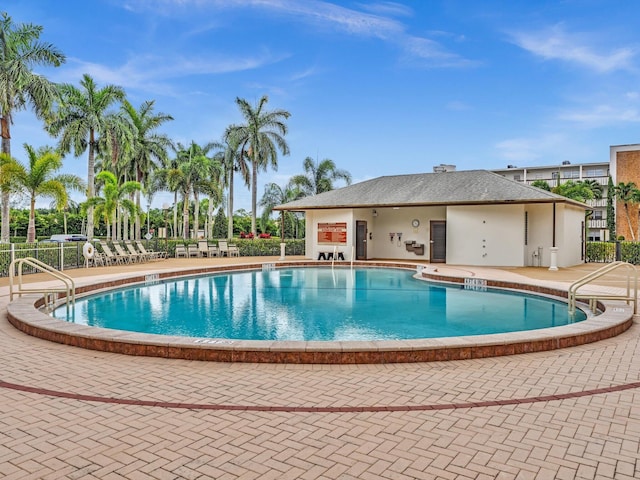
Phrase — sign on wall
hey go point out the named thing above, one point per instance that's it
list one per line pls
(332, 232)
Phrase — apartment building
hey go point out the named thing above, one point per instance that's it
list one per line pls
(557, 174)
(623, 166)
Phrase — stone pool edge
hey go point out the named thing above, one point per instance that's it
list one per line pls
(24, 314)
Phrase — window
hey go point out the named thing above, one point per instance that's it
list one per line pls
(571, 174)
(597, 215)
(595, 172)
(516, 178)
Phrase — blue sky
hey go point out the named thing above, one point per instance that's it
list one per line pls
(381, 88)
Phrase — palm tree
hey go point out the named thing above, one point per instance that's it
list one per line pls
(625, 192)
(20, 51)
(579, 191)
(38, 179)
(319, 177)
(113, 201)
(193, 169)
(82, 118)
(261, 137)
(543, 184)
(275, 195)
(234, 160)
(148, 149)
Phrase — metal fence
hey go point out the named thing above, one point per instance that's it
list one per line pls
(68, 255)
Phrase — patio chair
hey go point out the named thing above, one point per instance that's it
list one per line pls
(181, 251)
(192, 250)
(203, 248)
(234, 251)
(213, 251)
(153, 255)
(110, 257)
(126, 257)
(141, 257)
(223, 248)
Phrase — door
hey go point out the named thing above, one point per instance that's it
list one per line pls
(438, 242)
(361, 240)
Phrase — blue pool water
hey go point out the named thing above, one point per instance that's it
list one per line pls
(315, 304)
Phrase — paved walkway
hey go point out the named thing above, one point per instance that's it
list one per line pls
(72, 413)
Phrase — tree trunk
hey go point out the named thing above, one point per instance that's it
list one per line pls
(31, 229)
(254, 195)
(5, 231)
(175, 214)
(210, 219)
(185, 216)
(230, 199)
(91, 188)
(626, 211)
(196, 215)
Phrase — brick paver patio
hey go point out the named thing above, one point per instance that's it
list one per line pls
(78, 414)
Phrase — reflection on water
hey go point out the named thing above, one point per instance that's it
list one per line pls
(315, 304)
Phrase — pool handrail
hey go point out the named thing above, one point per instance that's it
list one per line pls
(69, 286)
(594, 297)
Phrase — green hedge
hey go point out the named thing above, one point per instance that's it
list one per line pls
(606, 252)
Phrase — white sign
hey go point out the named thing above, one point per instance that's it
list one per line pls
(148, 236)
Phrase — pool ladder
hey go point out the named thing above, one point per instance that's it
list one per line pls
(50, 293)
(632, 285)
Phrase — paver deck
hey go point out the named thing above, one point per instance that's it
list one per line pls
(71, 413)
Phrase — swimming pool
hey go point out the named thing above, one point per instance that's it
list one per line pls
(316, 304)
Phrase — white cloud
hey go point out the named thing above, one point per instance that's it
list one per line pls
(150, 72)
(530, 149)
(556, 44)
(378, 24)
(601, 115)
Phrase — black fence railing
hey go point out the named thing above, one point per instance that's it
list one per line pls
(69, 255)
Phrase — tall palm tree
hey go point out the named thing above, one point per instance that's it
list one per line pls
(234, 160)
(319, 176)
(82, 118)
(149, 149)
(275, 195)
(625, 192)
(193, 169)
(263, 135)
(113, 199)
(20, 51)
(38, 179)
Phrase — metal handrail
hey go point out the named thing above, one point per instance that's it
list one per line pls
(594, 297)
(69, 286)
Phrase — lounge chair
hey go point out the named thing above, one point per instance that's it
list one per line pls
(110, 257)
(223, 248)
(181, 251)
(141, 257)
(234, 251)
(153, 255)
(192, 250)
(203, 248)
(126, 257)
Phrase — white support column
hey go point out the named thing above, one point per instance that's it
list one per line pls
(553, 262)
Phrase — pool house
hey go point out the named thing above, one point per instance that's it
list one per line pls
(471, 217)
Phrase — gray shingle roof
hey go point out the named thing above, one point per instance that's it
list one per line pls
(447, 188)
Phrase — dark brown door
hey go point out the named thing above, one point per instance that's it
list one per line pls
(438, 242)
(361, 240)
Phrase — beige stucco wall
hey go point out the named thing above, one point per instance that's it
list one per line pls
(388, 220)
(569, 234)
(491, 235)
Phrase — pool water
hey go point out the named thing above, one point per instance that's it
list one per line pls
(316, 304)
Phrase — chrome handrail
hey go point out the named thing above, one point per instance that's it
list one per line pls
(594, 297)
(69, 288)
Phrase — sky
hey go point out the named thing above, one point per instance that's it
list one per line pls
(381, 88)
